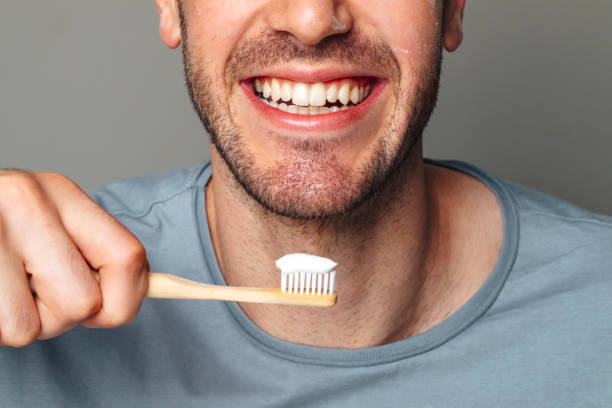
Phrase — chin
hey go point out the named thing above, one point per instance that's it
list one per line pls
(305, 189)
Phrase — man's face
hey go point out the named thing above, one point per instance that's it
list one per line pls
(312, 103)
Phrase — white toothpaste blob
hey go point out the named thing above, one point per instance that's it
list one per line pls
(306, 274)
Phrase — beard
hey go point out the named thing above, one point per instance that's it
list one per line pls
(308, 181)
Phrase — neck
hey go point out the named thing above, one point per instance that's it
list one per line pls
(388, 252)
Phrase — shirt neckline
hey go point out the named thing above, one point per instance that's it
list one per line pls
(452, 326)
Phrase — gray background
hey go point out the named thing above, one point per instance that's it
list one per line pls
(88, 90)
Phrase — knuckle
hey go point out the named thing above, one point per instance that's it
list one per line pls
(56, 179)
(18, 186)
(22, 197)
(133, 257)
(83, 306)
(119, 318)
(20, 332)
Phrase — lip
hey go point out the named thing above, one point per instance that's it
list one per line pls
(313, 123)
(297, 74)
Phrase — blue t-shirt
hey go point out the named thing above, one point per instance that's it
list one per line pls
(537, 333)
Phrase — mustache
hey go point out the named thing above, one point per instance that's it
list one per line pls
(275, 48)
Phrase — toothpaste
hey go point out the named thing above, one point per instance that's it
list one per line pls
(293, 263)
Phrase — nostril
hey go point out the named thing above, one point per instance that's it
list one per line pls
(309, 21)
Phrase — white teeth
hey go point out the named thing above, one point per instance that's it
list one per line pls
(355, 95)
(344, 93)
(276, 90)
(310, 99)
(267, 90)
(301, 94)
(317, 94)
(286, 92)
(304, 110)
(332, 93)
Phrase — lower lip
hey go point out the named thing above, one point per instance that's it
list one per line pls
(323, 122)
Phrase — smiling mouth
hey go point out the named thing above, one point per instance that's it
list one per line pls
(318, 98)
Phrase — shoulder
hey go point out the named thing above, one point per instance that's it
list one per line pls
(538, 209)
(538, 203)
(555, 239)
(543, 216)
(135, 197)
(564, 253)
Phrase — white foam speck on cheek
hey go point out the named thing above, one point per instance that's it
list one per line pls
(337, 26)
(402, 50)
(433, 11)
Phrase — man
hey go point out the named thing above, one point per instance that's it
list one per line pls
(454, 288)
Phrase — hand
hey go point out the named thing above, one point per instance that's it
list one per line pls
(52, 232)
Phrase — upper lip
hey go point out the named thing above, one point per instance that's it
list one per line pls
(308, 74)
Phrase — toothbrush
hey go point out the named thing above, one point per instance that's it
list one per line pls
(306, 280)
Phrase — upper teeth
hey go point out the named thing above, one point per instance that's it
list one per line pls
(313, 94)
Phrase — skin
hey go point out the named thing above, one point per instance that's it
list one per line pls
(409, 256)
(406, 254)
(46, 225)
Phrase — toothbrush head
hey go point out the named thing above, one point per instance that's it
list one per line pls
(307, 274)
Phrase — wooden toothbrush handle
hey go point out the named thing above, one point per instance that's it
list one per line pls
(162, 285)
(166, 286)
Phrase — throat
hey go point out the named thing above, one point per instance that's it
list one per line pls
(381, 270)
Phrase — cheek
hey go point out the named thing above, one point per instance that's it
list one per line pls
(215, 27)
(410, 28)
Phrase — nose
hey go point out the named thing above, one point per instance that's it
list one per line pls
(309, 21)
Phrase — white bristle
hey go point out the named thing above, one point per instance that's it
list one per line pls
(325, 283)
(305, 283)
(290, 288)
(302, 282)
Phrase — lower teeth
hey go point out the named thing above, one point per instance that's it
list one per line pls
(305, 110)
